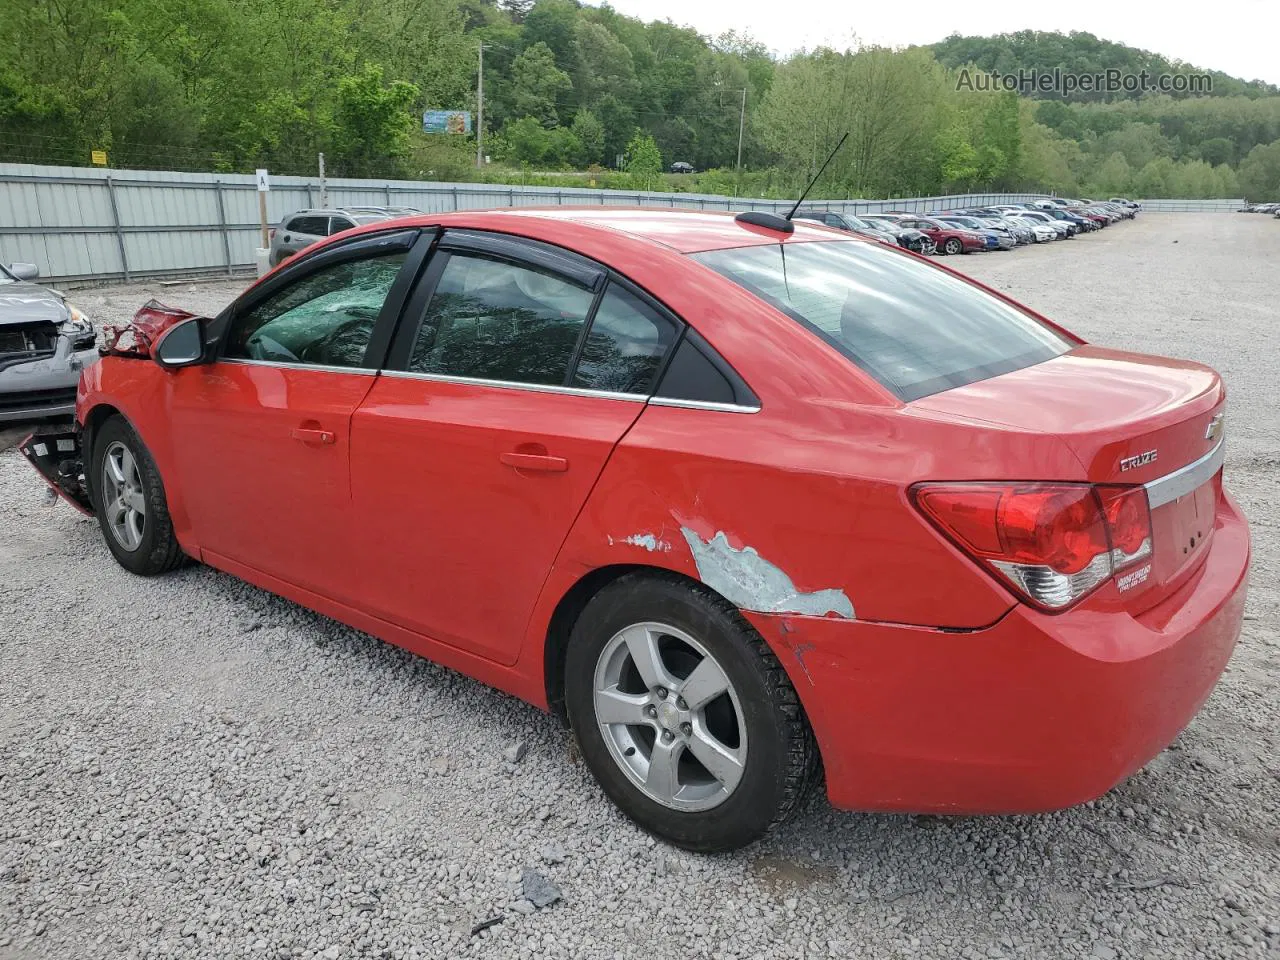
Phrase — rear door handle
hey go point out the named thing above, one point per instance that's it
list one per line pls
(535, 461)
(312, 435)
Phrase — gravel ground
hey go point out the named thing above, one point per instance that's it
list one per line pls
(190, 767)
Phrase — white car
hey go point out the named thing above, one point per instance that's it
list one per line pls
(1059, 227)
(1042, 231)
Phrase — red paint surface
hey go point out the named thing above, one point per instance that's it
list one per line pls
(453, 518)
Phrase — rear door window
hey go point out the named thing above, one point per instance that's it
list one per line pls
(490, 319)
(916, 329)
(625, 344)
(311, 226)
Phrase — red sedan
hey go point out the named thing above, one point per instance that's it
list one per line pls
(947, 237)
(746, 501)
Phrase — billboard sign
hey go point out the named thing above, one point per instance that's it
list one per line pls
(446, 121)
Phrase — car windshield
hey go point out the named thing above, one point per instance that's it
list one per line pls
(857, 223)
(916, 329)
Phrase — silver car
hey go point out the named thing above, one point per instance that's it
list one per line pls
(44, 344)
(299, 230)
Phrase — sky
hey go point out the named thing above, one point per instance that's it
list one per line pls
(1238, 37)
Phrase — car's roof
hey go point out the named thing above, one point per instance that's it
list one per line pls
(685, 231)
(348, 211)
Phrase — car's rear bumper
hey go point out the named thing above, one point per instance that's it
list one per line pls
(1035, 713)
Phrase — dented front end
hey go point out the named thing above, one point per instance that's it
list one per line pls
(136, 338)
(55, 453)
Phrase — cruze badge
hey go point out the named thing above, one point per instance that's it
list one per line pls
(1214, 430)
(1138, 460)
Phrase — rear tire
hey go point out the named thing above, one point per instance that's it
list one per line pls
(129, 501)
(642, 646)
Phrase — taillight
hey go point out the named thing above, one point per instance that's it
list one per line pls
(1054, 543)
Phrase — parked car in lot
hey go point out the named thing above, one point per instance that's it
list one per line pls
(550, 449)
(948, 239)
(1020, 232)
(300, 230)
(997, 238)
(1040, 232)
(1064, 229)
(914, 240)
(44, 344)
(847, 221)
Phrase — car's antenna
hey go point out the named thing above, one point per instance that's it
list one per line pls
(783, 224)
(823, 170)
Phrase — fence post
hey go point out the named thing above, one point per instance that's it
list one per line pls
(511, 196)
(222, 222)
(115, 215)
(559, 198)
(387, 192)
(311, 197)
(455, 197)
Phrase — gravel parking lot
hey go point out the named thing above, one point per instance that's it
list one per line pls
(190, 767)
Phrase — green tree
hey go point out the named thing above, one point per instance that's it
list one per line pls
(371, 123)
(538, 84)
(644, 160)
(1217, 150)
(1114, 176)
(957, 158)
(590, 133)
(1260, 173)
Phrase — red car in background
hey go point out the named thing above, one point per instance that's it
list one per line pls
(948, 238)
(747, 501)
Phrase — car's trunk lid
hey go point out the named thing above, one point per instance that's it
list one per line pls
(1129, 419)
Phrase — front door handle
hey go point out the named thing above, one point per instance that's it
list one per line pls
(313, 435)
(535, 461)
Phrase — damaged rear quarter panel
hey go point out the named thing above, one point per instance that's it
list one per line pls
(807, 523)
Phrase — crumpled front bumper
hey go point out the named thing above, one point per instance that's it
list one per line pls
(56, 455)
(45, 387)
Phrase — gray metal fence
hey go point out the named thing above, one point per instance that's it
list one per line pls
(1192, 206)
(80, 224)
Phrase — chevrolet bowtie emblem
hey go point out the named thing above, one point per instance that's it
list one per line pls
(1214, 430)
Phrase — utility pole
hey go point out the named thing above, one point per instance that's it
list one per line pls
(324, 187)
(742, 123)
(480, 111)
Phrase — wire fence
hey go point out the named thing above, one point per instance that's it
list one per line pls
(84, 224)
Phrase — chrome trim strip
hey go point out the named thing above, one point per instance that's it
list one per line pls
(509, 385)
(1171, 486)
(702, 405)
(324, 368)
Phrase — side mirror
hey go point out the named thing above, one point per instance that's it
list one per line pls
(182, 345)
(24, 271)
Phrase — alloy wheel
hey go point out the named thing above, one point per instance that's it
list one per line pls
(123, 502)
(670, 717)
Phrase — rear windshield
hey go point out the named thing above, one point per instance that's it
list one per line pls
(916, 329)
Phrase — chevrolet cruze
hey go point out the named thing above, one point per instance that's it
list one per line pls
(754, 505)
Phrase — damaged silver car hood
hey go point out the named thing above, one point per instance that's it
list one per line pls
(30, 302)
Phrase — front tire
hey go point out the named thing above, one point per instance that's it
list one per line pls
(953, 246)
(684, 715)
(128, 498)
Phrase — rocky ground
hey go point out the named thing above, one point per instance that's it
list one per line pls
(190, 767)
